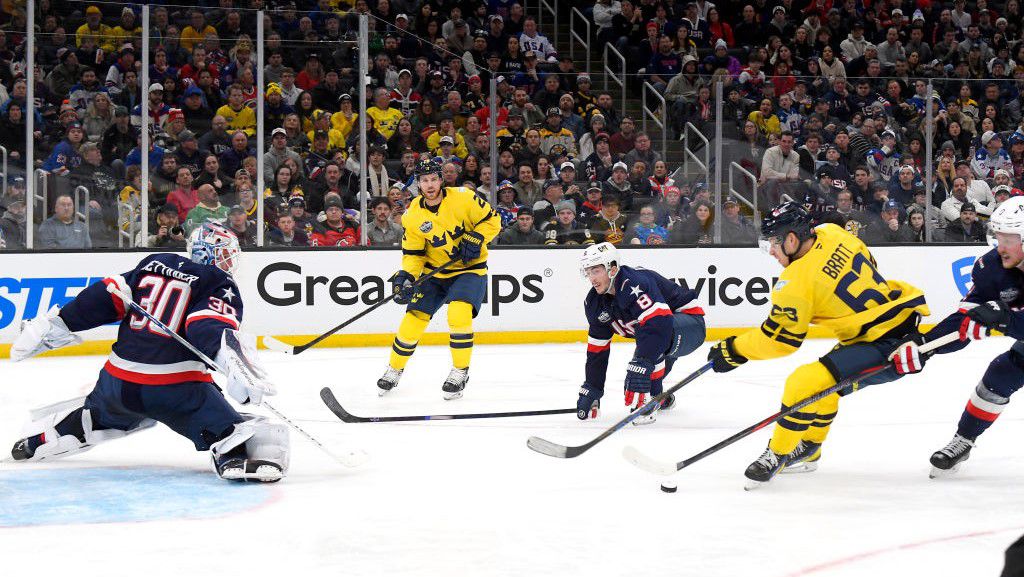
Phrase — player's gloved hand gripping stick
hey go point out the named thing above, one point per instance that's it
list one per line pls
(352, 458)
(283, 347)
(634, 456)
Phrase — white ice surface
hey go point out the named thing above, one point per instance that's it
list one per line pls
(468, 497)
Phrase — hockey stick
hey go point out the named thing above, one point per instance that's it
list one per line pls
(567, 452)
(283, 347)
(352, 458)
(332, 403)
(651, 465)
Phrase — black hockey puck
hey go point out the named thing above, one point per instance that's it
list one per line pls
(668, 487)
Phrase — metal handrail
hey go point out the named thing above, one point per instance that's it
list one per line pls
(84, 213)
(738, 195)
(688, 153)
(3, 152)
(662, 122)
(609, 73)
(543, 7)
(30, 203)
(573, 35)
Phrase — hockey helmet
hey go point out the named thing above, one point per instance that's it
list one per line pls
(790, 216)
(214, 244)
(604, 253)
(429, 166)
(1008, 218)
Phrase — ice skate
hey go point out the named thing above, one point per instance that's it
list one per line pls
(803, 459)
(242, 469)
(455, 384)
(948, 459)
(666, 404)
(389, 380)
(25, 448)
(763, 470)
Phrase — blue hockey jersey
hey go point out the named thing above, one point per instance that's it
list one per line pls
(641, 309)
(197, 301)
(992, 282)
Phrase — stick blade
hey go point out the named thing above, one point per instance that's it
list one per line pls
(642, 461)
(278, 345)
(548, 448)
(335, 407)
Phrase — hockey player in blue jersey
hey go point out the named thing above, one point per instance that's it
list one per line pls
(995, 302)
(636, 304)
(149, 377)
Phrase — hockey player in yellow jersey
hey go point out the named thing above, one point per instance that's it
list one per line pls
(442, 224)
(829, 279)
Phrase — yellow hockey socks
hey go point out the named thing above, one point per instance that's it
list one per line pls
(409, 333)
(460, 325)
(813, 421)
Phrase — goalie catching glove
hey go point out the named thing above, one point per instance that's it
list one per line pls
(246, 378)
(43, 333)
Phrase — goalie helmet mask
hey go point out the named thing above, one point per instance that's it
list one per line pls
(214, 244)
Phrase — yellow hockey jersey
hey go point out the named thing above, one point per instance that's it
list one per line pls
(433, 233)
(835, 285)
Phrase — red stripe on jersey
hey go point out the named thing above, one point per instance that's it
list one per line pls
(597, 348)
(656, 313)
(211, 315)
(118, 303)
(162, 379)
(980, 413)
(693, 311)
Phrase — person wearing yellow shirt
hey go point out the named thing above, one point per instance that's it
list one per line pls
(128, 29)
(829, 279)
(101, 34)
(766, 120)
(385, 118)
(238, 115)
(446, 127)
(444, 227)
(196, 30)
(322, 123)
(346, 118)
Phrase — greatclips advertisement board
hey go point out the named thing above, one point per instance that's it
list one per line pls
(537, 290)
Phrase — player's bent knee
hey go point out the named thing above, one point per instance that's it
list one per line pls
(805, 381)
(690, 333)
(262, 440)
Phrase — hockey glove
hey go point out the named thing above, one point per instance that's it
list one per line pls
(638, 377)
(43, 333)
(907, 358)
(469, 248)
(589, 402)
(724, 357)
(982, 319)
(246, 378)
(401, 286)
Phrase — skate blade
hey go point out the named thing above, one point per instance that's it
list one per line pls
(263, 474)
(451, 396)
(752, 485)
(644, 420)
(937, 473)
(800, 468)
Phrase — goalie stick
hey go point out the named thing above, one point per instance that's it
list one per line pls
(352, 458)
(332, 403)
(550, 449)
(283, 347)
(651, 465)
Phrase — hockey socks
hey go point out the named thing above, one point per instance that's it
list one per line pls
(409, 332)
(460, 325)
(983, 408)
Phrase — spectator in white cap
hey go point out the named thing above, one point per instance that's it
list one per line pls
(991, 156)
(618, 182)
(277, 153)
(1002, 177)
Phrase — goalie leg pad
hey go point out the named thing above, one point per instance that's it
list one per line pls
(256, 449)
(69, 429)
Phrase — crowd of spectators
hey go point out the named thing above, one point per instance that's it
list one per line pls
(827, 101)
(823, 101)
